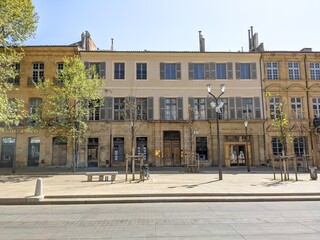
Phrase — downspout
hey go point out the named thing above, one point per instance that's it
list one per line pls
(263, 107)
(308, 106)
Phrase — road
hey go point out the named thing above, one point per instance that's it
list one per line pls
(252, 221)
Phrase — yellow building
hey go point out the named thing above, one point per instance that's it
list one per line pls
(293, 78)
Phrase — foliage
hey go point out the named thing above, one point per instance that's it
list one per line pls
(68, 101)
(17, 24)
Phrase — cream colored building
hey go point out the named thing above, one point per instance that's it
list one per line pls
(164, 86)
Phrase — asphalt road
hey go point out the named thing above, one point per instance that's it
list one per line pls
(262, 220)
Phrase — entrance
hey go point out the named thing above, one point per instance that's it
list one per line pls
(93, 145)
(34, 151)
(142, 147)
(7, 152)
(59, 151)
(118, 150)
(171, 148)
(235, 153)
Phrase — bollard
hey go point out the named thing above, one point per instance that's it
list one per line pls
(313, 173)
(38, 190)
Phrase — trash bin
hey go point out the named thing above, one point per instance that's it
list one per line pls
(313, 173)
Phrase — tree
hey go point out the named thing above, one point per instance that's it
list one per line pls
(17, 24)
(68, 101)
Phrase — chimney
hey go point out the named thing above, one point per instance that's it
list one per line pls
(83, 42)
(112, 47)
(254, 45)
(201, 42)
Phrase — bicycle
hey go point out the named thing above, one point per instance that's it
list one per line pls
(145, 172)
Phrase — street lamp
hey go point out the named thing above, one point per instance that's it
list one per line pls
(15, 148)
(246, 154)
(215, 104)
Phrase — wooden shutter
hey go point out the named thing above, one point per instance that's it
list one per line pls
(191, 108)
(103, 70)
(162, 108)
(210, 110)
(191, 71)
(253, 71)
(180, 108)
(239, 107)
(162, 68)
(150, 108)
(257, 111)
(238, 71)
(232, 108)
(212, 67)
(178, 70)
(206, 71)
(229, 70)
(103, 109)
(109, 108)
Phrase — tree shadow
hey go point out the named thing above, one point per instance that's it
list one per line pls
(21, 178)
(193, 185)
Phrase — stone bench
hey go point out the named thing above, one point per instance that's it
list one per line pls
(103, 176)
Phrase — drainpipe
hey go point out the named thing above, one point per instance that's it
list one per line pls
(308, 106)
(263, 107)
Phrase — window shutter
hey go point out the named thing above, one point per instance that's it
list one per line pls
(257, 111)
(239, 107)
(253, 71)
(191, 108)
(180, 108)
(206, 71)
(212, 66)
(232, 108)
(86, 65)
(210, 110)
(229, 70)
(162, 66)
(103, 109)
(191, 71)
(103, 70)
(150, 108)
(238, 75)
(178, 70)
(109, 108)
(162, 108)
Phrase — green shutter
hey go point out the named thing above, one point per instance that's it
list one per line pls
(191, 108)
(102, 70)
(178, 70)
(180, 108)
(239, 107)
(212, 66)
(232, 108)
(109, 108)
(103, 109)
(257, 111)
(253, 71)
(238, 73)
(162, 75)
(191, 71)
(229, 70)
(210, 110)
(207, 71)
(162, 108)
(150, 108)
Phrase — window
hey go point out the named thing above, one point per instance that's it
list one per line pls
(198, 71)
(202, 148)
(119, 70)
(274, 107)
(294, 72)
(316, 107)
(170, 71)
(171, 108)
(16, 79)
(296, 108)
(34, 109)
(119, 108)
(142, 108)
(221, 71)
(246, 71)
(201, 71)
(94, 111)
(276, 146)
(99, 67)
(38, 72)
(315, 71)
(299, 145)
(58, 79)
(141, 71)
(224, 110)
(247, 107)
(272, 70)
(199, 108)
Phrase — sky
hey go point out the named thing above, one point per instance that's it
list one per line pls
(173, 25)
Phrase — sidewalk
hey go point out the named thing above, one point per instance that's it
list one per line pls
(165, 184)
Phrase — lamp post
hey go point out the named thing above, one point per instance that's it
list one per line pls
(246, 154)
(215, 104)
(15, 148)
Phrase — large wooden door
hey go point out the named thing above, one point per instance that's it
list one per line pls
(7, 152)
(172, 149)
(59, 151)
(34, 151)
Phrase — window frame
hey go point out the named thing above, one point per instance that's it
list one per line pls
(141, 71)
(315, 71)
(272, 71)
(37, 73)
(119, 71)
(294, 70)
(316, 107)
(295, 107)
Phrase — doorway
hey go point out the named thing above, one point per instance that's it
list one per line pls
(118, 150)
(34, 151)
(59, 151)
(7, 152)
(142, 147)
(93, 145)
(171, 148)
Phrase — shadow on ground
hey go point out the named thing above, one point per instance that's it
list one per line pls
(193, 185)
(20, 178)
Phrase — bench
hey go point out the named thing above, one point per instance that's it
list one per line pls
(103, 176)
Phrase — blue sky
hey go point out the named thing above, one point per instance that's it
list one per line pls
(173, 25)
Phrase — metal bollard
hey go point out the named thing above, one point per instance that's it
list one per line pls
(313, 173)
(38, 191)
